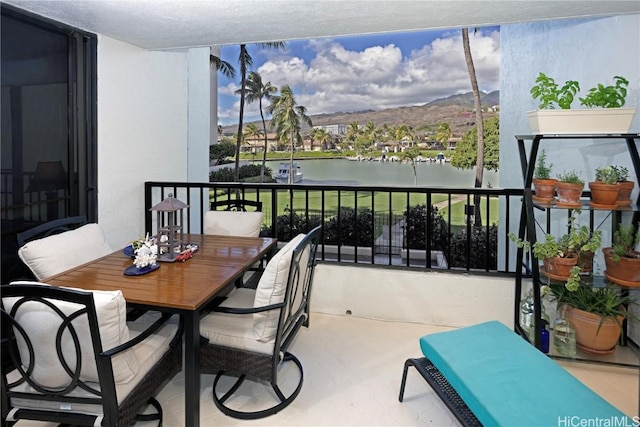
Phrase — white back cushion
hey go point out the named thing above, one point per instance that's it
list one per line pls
(271, 289)
(233, 223)
(54, 254)
(41, 323)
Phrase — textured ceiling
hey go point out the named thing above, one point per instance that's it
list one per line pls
(165, 24)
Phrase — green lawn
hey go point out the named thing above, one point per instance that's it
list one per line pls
(313, 202)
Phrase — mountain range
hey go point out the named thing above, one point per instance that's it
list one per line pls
(457, 110)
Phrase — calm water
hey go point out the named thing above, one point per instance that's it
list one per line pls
(345, 172)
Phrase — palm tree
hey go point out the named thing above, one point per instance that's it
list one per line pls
(256, 90)
(479, 122)
(353, 132)
(371, 132)
(251, 131)
(245, 61)
(444, 134)
(286, 117)
(411, 155)
(321, 136)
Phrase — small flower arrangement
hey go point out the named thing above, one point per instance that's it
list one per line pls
(146, 252)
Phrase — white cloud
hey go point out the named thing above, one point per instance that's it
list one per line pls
(378, 77)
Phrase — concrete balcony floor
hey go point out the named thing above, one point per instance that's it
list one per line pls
(353, 367)
(365, 323)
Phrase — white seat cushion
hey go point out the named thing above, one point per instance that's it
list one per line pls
(148, 353)
(233, 223)
(235, 330)
(41, 321)
(271, 289)
(51, 255)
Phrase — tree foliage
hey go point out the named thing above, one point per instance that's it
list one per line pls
(351, 227)
(415, 228)
(257, 90)
(482, 253)
(290, 224)
(464, 157)
(219, 152)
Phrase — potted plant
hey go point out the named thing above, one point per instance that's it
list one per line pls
(596, 314)
(566, 257)
(544, 184)
(586, 243)
(622, 260)
(603, 112)
(626, 186)
(605, 189)
(569, 189)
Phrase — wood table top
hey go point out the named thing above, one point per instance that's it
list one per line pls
(180, 285)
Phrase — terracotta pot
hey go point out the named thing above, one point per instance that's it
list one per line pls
(624, 196)
(559, 268)
(545, 190)
(604, 195)
(586, 262)
(624, 272)
(569, 194)
(591, 335)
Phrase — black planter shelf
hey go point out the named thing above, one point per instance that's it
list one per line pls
(627, 353)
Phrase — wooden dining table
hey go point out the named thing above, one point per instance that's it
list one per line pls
(178, 287)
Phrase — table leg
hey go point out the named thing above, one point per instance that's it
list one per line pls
(192, 369)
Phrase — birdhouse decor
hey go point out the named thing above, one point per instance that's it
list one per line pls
(170, 236)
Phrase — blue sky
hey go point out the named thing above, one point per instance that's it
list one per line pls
(372, 72)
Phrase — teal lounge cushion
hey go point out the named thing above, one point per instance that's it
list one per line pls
(505, 381)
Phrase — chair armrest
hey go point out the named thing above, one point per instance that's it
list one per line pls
(250, 310)
(145, 334)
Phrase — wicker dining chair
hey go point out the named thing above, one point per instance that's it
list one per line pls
(50, 228)
(231, 218)
(76, 361)
(52, 248)
(249, 334)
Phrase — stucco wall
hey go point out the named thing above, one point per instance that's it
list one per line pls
(589, 51)
(148, 117)
(433, 298)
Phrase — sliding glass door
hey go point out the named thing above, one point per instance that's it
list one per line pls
(48, 127)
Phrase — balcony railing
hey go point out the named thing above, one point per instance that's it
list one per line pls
(373, 225)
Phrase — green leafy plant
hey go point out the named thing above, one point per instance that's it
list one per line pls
(623, 173)
(625, 239)
(542, 171)
(484, 248)
(607, 175)
(571, 177)
(579, 239)
(607, 96)
(415, 228)
(551, 95)
(605, 302)
(350, 227)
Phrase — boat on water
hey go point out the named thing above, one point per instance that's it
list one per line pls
(283, 173)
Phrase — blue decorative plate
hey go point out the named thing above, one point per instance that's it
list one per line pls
(128, 251)
(135, 271)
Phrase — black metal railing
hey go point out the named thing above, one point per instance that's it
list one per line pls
(400, 226)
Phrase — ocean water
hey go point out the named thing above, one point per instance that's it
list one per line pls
(346, 172)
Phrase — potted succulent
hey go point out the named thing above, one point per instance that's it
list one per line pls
(603, 112)
(596, 314)
(569, 189)
(626, 186)
(544, 184)
(622, 260)
(605, 189)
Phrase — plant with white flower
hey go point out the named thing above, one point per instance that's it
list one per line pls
(146, 254)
